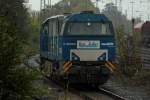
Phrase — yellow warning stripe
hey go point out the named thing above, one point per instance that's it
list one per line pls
(66, 69)
(66, 64)
(109, 67)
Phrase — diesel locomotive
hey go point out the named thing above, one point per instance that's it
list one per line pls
(79, 48)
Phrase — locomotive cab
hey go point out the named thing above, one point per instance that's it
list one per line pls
(88, 41)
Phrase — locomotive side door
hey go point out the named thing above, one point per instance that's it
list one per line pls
(50, 39)
(53, 39)
(44, 41)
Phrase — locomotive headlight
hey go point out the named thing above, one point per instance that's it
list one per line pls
(102, 57)
(75, 57)
(88, 24)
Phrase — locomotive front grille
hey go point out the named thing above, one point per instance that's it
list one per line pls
(85, 74)
(88, 55)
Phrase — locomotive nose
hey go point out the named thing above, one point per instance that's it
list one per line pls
(89, 55)
(88, 50)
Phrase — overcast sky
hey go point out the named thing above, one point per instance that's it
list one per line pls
(139, 8)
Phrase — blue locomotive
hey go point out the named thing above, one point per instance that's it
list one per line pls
(79, 47)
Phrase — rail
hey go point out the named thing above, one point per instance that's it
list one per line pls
(111, 94)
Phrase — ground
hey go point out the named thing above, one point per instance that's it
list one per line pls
(123, 87)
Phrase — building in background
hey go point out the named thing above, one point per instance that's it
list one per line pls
(144, 29)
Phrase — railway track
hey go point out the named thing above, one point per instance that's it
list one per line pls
(145, 56)
(102, 94)
(99, 94)
(87, 93)
(96, 94)
(65, 87)
(111, 94)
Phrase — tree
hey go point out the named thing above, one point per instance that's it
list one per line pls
(69, 6)
(33, 42)
(15, 81)
(117, 17)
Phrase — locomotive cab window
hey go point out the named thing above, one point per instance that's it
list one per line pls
(45, 30)
(88, 29)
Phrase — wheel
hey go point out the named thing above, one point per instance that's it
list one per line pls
(42, 62)
(96, 86)
(104, 79)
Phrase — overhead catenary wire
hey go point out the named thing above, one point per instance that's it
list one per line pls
(45, 5)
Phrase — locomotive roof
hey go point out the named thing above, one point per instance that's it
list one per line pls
(54, 17)
(81, 17)
(87, 16)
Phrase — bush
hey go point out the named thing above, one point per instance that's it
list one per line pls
(128, 53)
(17, 84)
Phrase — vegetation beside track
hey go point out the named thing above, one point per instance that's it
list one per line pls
(15, 28)
(128, 55)
(130, 70)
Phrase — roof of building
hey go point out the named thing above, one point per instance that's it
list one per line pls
(139, 25)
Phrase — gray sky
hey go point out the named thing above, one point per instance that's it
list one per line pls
(139, 8)
(36, 4)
